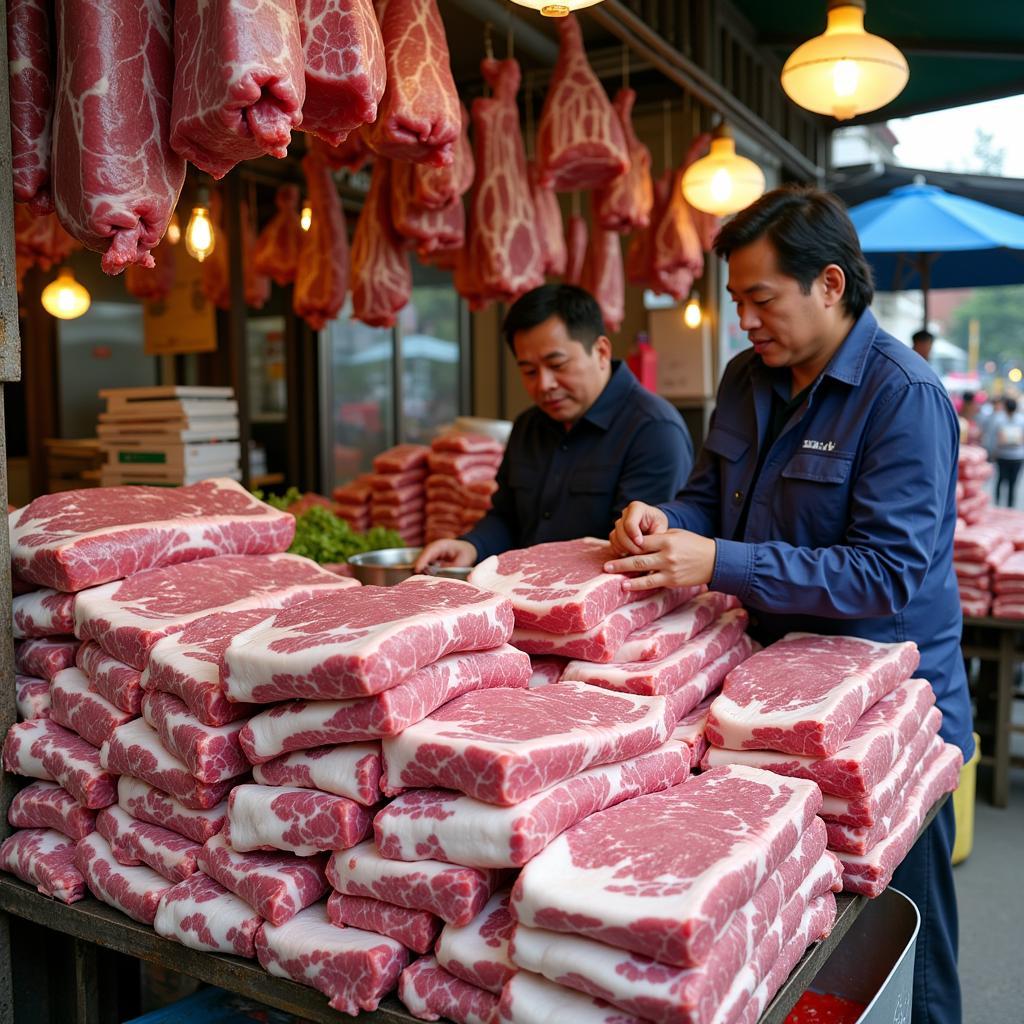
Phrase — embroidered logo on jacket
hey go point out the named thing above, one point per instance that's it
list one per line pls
(819, 446)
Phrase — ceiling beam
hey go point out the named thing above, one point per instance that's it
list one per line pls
(965, 49)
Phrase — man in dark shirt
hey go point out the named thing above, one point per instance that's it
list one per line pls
(594, 441)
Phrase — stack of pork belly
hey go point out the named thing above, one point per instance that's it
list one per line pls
(396, 491)
(845, 713)
(1008, 584)
(973, 473)
(461, 483)
(352, 502)
(977, 552)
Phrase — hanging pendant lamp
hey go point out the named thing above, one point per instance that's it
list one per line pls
(723, 181)
(64, 297)
(556, 8)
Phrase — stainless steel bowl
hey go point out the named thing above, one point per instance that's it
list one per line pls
(386, 567)
(450, 572)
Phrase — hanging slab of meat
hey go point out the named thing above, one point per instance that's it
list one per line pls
(478, 953)
(78, 539)
(415, 929)
(152, 284)
(43, 613)
(530, 999)
(869, 753)
(580, 144)
(503, 746)
(41, 239)
(116, 179)
(560, 587)
(351, 155)
(215, 273)
(429, 992)
(30, 63)
(343, 55)
(276, 885)
(47, 805)
(46, 859)
(869, 874)
(352, 770)
(452, 892)
(31, 698)
(363, 641)
(660, 637)
(276, 252)
(250, 107)
(135, 749)
(299, 821)
(668, 674)
(628, 877)
(256, 286)
(435, 188)
(353, 968)
(21, 754)
(117, 682)
(603, 275)
(576, 241)
(676, 254)
(201, 914)
(128, 617)
(707, 224)
(135, 891)
(421, 228)
(212, 753)
(77, 708)
(135, 842)
(624, 204)
(805, 693)
(44, 658)
(504, 218)
(300, 725)
(381, 275)
(418, 118)
(641, 246)
(444, 825)
(321, 279)
(550, 231)
(75, 764)
(147, 803)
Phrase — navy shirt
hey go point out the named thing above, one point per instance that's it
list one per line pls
(849, 525)
(558, 484)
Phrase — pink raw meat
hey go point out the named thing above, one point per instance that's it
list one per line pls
(671, 672)
(47, 805)
(212, 753)
(430, 993)
(401, 498)
(136, 842)
(21, 755)
(249, 106)
(625, 204)
(276, 885)
(804, 694)
(545, 671)
(454, 893)
(201, 914)
(868, 754)
(45, 658)
(135, 749)
(444, 825)
(560, 587)
(31, 698)
(117, 682)
(530, 999)
(363, 641)
(135, 891)
(438, 188)
(662, 900)
(478, 953)
(706, 682)
(502, 746)
(415, 929)
(353, 968)
(471, 444)
(116, 179)
(43, 613)
(603, 275)
(452, 463)
(79, 709)
(690, 729)
(299, 725)
(550, 231)
(46, 859)
(670, 631)
(147, 803)
(78, 539)
(276, 252)
(350, 769)
(75, 764)
(402, 458)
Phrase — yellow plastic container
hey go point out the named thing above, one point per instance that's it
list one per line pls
(963, 805)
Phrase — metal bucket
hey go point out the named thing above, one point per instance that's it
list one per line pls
(450, 572)
(384, 568)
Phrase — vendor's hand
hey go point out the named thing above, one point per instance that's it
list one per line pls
(448, 553)
(636, 522)
(675, 558)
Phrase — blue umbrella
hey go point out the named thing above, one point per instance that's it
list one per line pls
(921, 236)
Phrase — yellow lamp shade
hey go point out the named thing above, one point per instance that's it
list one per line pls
(845, 71)
(199, 237)
(723, 181)
(64, 297)
(556, 8)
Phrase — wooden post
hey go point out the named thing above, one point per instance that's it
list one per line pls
(237, 341)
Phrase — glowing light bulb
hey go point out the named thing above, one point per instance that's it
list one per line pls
(64, 297)
(306, 217)
(692, 314)
(199, 238)
(556, 8)
(723, 181)
(845, 76)
(174, 229)
(721, 185)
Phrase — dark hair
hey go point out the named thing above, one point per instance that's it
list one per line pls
(1010, 405)
(575, 307)
(809, 229)
(922, 337)
(969, 397)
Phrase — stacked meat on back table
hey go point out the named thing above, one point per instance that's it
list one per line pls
(461, 482)
(844, 712)
(978, 551)
(352, 502)
(396, 491)
(1008, 583)
(973, 472)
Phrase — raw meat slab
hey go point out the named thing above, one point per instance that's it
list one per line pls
(690, 729)
(530, 999)
(363, 641)
(44, 858)
(137, 842)
(21, 754)
(43, 613)
(804, 694)
(417, 930)
(351, 769)
(147, 803)
(660, 875)
(76, 765)
(80, 709)
(429, 992)
(545, 671)
(77, 539)
(299, 725)
(560, 587)
(478, 953)
(860, 764)
(201, 914)
(456, 894)
(135, 891)
(440, 824)
(117, 682)
(503, 746)
(276, 885)
(668, 633)
(47, 805)
(353, 968)
(44, 658)
(31, 698)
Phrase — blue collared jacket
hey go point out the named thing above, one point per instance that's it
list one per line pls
(850, 528)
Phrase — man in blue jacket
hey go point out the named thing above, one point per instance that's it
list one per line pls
(824, 497)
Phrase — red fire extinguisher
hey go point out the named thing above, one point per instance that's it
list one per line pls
(643, 361)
